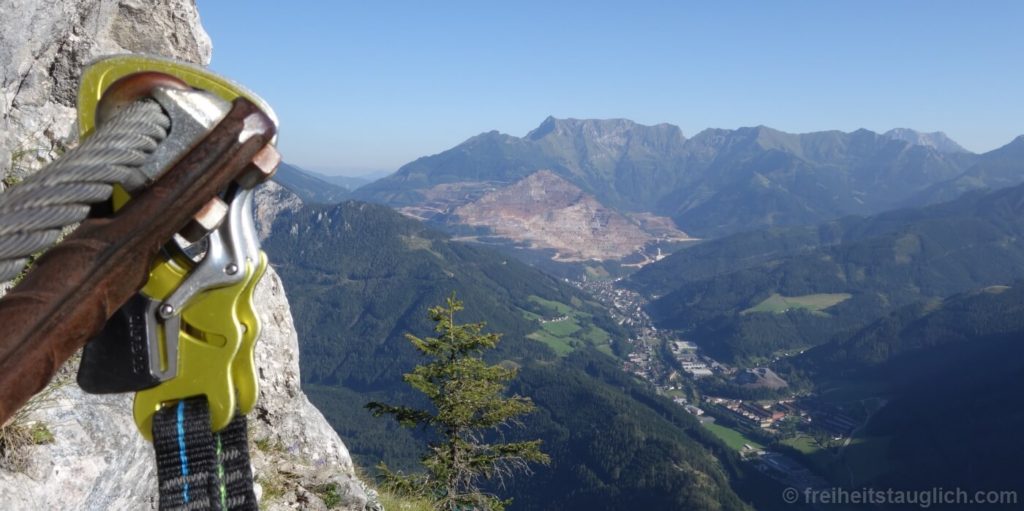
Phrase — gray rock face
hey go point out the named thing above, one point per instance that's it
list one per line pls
(91, 456)
(270, 201)
(936, 140)
(97, 459)
(295, 450)
(45, 44)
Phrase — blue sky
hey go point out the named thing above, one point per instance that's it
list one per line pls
(371, 85)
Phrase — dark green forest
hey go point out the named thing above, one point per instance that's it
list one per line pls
(949, 373)
(883, 263)
(615, 445)
(364, 275)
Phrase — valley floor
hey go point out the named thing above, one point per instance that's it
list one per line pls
(800, 439)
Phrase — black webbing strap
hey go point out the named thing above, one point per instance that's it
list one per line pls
(234, 473)
(185, 457)
(199, 470)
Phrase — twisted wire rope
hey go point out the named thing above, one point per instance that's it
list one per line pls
(34, 212)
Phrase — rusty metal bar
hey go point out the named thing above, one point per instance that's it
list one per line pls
(76, 286)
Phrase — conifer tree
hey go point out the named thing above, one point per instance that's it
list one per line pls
(471, 412)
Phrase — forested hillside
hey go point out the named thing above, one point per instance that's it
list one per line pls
(308, 186)
(616, 446)
(802, 287)
(948, 372)
(360, 275)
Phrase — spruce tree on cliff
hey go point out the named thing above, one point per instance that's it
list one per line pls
(468, 395)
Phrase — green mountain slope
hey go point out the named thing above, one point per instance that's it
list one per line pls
(310, 187)
(881, 263)
(359, 275)
(900, 338)
(949, 373)
(732, 253)
(760, 177)
(619, 447)
(996, 169)
(347, 182)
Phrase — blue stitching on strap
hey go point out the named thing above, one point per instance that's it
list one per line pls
(181, 449)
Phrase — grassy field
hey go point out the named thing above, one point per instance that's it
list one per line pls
(804, 444)
(857, 464)
(778, 304)
(818, 458)
(530, 315)
(596, 273)
(731, 437)
(393, 502)
(564, 328)
(558, 307)
(560, 345)
(596, 335)
(565, 335)
(671, 392)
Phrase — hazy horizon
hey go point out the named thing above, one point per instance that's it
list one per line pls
(370, 87)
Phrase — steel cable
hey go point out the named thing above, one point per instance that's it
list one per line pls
(34, 212)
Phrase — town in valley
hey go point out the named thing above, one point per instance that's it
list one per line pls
(774, 432)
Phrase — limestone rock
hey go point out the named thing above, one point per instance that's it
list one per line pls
(45, 44)
(294, 447)
(270, 201)
(96, 460)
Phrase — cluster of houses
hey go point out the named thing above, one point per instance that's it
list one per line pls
(563, 317)
(641, 362)
(694, 364)
(756, 414)
(626, 307)
(825, 417)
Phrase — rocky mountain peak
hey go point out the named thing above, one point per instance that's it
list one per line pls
(570, 126)
(936, 140)
(588, 148)
(770, 138)
(608, 130)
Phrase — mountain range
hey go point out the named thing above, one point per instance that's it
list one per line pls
(716, 183)
(995, 169)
